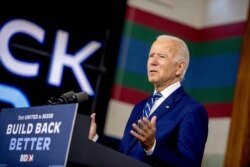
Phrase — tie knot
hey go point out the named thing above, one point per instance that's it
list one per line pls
(156, 96)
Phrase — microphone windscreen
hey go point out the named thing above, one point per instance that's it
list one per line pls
(81, 96)
(68, 94)
(66, 97)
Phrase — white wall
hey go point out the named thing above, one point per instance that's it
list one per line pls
(196, 13)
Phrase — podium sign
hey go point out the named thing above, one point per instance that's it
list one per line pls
(36, 136)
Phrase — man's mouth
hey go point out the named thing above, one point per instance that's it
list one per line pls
(152, 71)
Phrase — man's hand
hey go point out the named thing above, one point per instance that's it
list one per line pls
(93, 127)
(144, 131)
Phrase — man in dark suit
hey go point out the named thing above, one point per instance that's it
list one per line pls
(172, 129)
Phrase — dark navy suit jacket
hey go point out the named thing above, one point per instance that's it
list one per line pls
(181, 132)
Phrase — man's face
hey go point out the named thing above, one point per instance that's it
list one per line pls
(163, 69)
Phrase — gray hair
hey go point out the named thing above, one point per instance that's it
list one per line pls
(182, 52)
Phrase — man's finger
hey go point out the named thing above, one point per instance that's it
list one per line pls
(92, 116)
(153, 120)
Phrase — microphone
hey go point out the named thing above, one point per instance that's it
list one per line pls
(69, 97)
(80, 97)
(66, 97)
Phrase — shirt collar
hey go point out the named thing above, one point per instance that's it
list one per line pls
(170, 89)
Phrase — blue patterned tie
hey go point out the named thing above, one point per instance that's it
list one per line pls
(150, 103)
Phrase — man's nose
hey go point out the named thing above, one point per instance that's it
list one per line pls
(154, 60)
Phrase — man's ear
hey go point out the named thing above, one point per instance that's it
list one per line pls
(180, 68)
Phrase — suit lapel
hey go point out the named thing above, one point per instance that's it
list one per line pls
(169, 103)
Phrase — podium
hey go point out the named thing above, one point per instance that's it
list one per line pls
(84, 152)
(54, 135)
